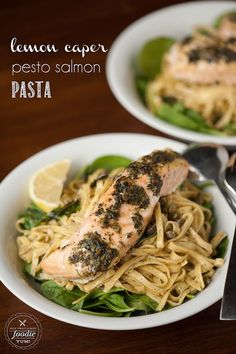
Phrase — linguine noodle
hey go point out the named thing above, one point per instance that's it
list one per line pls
(173, 261)
(216, 102)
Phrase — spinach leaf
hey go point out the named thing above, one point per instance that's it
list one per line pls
(141, 302)
(149, 58)
(117, 303)
(27, 268)
(59, 294)
(67, 210)
(95, 299)
(33, 215)
(205, 184)
(180, 116)
(103, 314)
(107, 163)
(204, 31)
(210, 206)
(222, 248)
(230, 128)
(117, 300)
(141, 86)
(27, 271)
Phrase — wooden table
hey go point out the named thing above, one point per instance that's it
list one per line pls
(82, 104)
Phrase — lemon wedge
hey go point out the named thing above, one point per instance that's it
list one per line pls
(46, 185)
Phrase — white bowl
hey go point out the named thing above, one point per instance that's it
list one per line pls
(14, 198)
(174, 21)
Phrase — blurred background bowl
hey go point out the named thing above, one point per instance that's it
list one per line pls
(175, 21)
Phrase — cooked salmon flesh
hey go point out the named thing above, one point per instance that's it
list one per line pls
(203, 60)
(119, 218)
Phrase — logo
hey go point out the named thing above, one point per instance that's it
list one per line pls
(23, 331)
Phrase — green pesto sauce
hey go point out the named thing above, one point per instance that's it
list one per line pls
(93, 253)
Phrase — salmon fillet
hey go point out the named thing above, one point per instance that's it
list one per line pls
(203, 60)
(118, 219)
(227, 28)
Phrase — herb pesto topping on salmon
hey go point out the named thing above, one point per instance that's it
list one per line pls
(119, 217)
(92, 251)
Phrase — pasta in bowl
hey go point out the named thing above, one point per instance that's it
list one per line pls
(175, 78)
(170, 264)
(174, 257)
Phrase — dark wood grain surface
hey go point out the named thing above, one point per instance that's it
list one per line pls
(81, 105)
